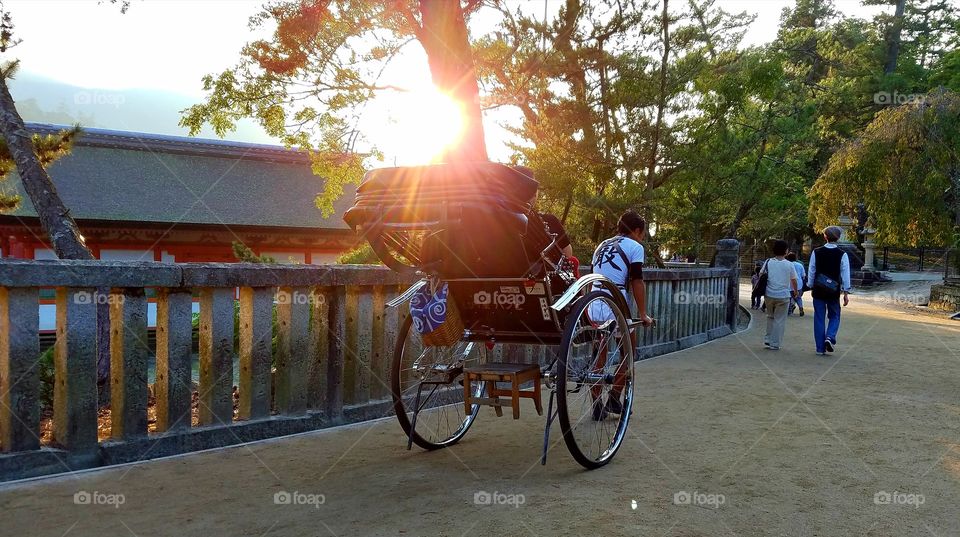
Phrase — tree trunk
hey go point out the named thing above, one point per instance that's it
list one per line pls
(576, 76)
(55, 219)
(893, 44)
(444, 38)
(661, 98)
(737, 221)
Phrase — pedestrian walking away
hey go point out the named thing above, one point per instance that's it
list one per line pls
(801, 278)
(828, 279)
(756, 294)
(782, 285)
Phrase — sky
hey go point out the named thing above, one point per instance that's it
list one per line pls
(169, 45)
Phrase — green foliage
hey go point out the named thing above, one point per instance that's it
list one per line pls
(624, 104)
(307, 85)
(45, 369)
(947, 72)
(361, 255)
(596, 86)
(245, 255)
(48, 148)
(905, 168)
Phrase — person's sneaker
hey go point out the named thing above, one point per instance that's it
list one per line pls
(828, 345)
(614, 406)
(821, 353)
(599, 412)
(801, 312)
(771, 347)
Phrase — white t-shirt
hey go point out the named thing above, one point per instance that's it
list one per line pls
(612, 259)
(779, 273)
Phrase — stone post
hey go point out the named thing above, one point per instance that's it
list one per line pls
(868, 248)
(728, 256)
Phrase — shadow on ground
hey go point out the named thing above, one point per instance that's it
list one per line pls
(726, 439)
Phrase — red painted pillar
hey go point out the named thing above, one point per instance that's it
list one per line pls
(16, 248)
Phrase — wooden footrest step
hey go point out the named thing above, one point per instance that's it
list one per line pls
(494, 372)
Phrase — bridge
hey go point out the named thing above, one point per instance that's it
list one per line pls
(726, 438)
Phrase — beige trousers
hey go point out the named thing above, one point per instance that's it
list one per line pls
(776, 320)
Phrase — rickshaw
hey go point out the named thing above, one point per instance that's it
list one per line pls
(470, 232)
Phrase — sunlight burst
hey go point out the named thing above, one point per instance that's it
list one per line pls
(425, 123)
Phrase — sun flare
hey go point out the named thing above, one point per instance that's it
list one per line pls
(425, 123)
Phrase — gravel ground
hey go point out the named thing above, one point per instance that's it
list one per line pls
(760, 442)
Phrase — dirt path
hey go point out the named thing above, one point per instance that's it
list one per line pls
(782, 443)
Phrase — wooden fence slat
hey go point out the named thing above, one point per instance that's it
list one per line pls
(128, 363)
(379, 383)
(293, 345)
(216, 355)
(336, 333)
(319, 348)
(696, 291)
(75, 369)
(364, 349)
(173, 387)
(256, 351)
(350, 341)
(19, 378)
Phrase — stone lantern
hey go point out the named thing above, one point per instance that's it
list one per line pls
(869, 247)
(847, 224)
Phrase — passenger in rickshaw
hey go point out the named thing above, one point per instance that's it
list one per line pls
(552, 222)
(620, 258)
(563, 241)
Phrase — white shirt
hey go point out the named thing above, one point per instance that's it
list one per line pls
(844, 268)
(614, 263)
(780, 273)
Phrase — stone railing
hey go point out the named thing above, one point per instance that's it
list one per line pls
(323, 360)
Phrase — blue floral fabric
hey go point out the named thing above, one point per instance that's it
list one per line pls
(428, 310)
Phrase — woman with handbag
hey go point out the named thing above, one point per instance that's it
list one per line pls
(781, 289)
(828, 278)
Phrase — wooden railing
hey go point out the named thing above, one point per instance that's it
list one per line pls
(323, 360)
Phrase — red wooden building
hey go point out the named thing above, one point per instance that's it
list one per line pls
(142, 196)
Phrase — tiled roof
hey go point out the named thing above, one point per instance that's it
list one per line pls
(137, 177)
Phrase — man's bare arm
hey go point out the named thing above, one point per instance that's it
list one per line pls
(639, 289)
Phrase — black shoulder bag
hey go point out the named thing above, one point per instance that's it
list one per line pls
(761, 287)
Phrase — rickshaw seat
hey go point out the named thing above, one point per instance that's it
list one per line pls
(475, 218)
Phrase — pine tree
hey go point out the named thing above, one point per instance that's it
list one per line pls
(28, 154)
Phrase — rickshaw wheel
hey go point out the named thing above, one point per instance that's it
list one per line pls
(441, 421)
(595, 362)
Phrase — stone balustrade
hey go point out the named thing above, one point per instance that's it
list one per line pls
(313, 349)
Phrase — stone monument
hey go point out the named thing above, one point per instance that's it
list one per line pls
(848, 245)
(862, 271)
